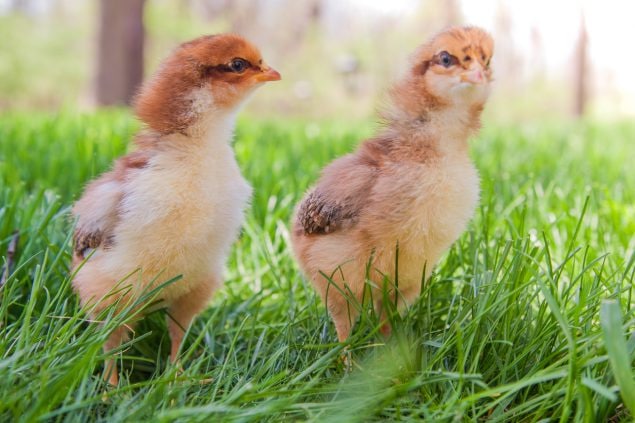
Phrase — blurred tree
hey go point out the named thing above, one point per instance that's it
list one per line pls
(452, 12)
(581, 71)
(211, 8)
(120, 51)
(22, 6)
(509, 63)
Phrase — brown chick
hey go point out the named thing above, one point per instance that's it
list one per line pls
(412, 185)
(175, 205)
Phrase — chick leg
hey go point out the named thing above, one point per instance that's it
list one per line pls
(343, 319)
(181, 313)
(381, 309)
(342, 293)
(116, 338)
(343, 308)
(400, 300)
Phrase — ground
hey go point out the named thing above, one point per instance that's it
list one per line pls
(526, 317)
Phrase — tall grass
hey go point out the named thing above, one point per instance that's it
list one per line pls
(529, 317)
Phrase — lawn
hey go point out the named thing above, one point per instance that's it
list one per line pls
(528, 317)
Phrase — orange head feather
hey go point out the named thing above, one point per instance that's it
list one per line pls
(452, 69)
(209, 73)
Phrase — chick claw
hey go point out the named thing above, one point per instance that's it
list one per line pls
(347, 360)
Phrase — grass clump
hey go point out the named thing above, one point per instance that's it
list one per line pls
(528, 317)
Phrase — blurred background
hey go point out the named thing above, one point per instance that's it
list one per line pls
(554, 59)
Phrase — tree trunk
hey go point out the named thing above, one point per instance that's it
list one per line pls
(452, 12)
(120, 51)
(581, 92)
(21, 6)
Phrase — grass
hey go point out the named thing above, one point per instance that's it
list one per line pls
(529, 317)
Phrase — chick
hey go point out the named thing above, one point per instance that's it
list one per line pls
(408, 191)
(174, 205)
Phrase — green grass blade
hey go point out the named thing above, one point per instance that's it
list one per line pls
(621, 362)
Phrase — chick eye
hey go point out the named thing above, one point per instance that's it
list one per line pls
(238, 65)
(445, 59)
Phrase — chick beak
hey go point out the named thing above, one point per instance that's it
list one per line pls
(268, 74)
(474, 75)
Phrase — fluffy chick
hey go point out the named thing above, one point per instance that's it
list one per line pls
(174, 205)
(412, 185)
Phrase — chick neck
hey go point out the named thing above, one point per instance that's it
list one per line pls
(415, 116)
(212, 127)
(209, 121)
(213, 122)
